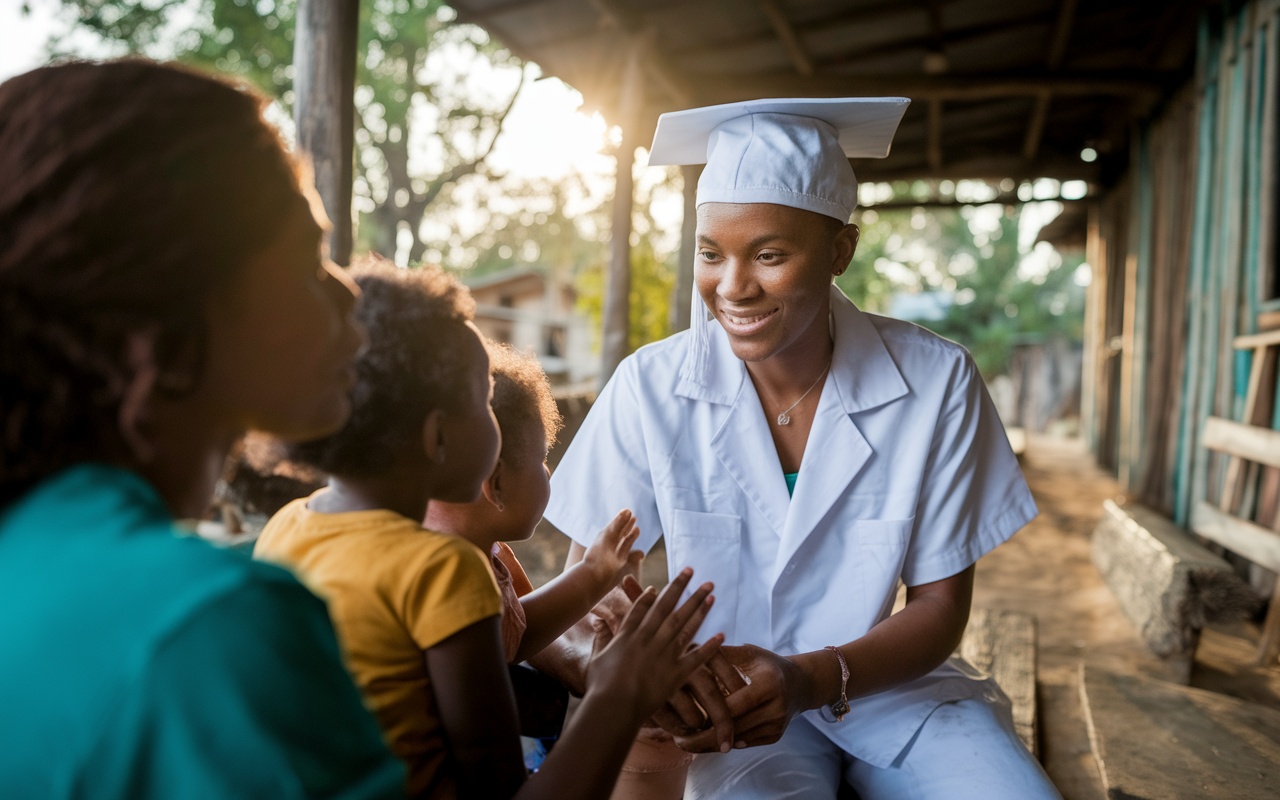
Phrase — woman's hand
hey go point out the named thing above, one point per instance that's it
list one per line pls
(777, 689)
(610, 556)
(649, 657)
(700, 703)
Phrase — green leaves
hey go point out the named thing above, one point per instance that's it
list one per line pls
(994, 293)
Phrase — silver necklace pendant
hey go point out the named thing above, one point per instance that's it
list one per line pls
(783, 418)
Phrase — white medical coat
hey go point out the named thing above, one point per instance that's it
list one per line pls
(907, 475)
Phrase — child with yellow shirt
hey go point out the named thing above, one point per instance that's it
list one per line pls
(512, 500)
(418, 612)
(509, 508)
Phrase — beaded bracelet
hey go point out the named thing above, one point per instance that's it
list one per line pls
(841, 706)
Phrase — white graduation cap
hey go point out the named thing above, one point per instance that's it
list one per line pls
(788, 152)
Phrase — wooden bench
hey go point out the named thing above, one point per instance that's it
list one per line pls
(1003, 645)
(1167, 584)
(1156, 740)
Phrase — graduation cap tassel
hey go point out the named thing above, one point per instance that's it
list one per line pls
(699, 356)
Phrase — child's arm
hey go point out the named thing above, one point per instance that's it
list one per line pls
(553, 609)
(478, 710)
(629, 678)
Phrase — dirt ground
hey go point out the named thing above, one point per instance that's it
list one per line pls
(1045, 570)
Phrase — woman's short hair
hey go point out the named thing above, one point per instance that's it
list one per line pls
(130, 191)
(417, 361)
(521, 397)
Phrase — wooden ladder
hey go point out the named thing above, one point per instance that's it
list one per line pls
(1249, 447)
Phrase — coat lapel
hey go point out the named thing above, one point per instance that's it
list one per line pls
(863, 376)
(745, 448)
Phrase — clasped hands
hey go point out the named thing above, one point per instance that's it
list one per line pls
(743, 697)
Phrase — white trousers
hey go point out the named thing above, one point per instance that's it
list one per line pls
(966, 750)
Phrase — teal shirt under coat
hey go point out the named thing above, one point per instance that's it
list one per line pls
(138, 663)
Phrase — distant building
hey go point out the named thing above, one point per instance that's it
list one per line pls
(522, 307)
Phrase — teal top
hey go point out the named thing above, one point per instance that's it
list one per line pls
(141, 664)
(790, 478)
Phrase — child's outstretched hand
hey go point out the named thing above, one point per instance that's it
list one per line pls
(649, 658)
(610, 555)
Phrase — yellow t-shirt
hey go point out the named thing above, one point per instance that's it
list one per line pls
(394, 589)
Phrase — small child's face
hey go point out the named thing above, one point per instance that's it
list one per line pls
(475, 436)
(526, 487)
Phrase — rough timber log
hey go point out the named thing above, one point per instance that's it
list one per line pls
(1167, 584)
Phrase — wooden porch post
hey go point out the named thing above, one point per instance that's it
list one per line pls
(682, 294)
(617, 298)
(324, 62)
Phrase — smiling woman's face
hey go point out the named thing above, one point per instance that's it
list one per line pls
(765, 272)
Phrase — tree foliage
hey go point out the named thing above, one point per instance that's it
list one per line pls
(994, 293)
(408, 98)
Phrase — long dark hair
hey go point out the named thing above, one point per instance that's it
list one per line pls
(130, 192)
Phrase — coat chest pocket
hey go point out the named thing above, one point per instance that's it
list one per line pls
(882, 546)
(712, 545)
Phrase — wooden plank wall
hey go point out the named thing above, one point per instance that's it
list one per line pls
(1111, 245)
(1184, 253)
(1172, 146)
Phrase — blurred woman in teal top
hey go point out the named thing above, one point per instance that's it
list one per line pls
(162, 290)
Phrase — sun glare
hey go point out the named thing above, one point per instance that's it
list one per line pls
(548, 136)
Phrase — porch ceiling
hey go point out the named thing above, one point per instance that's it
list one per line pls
(999, 89)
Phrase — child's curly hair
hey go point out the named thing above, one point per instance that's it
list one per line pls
(521, 396)
(415, 363)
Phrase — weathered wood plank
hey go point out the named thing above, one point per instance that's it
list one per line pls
(1254, 340)
(1003, 645)
(1249, 442)
(1158, 741)
(1269, 642)
(1167, 584)
(1250, 540)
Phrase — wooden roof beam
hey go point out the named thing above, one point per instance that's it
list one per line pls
(987, 168)
(721, 89)
(934, 41)
(782, 27)
(634, 25)
(1057, 49)
(887, 10)
(935, 63)
(934, 151)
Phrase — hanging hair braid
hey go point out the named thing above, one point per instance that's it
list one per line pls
(129, 192)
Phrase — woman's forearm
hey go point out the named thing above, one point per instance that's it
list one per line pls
(906, 646)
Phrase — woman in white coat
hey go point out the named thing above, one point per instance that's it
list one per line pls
(806, 457)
